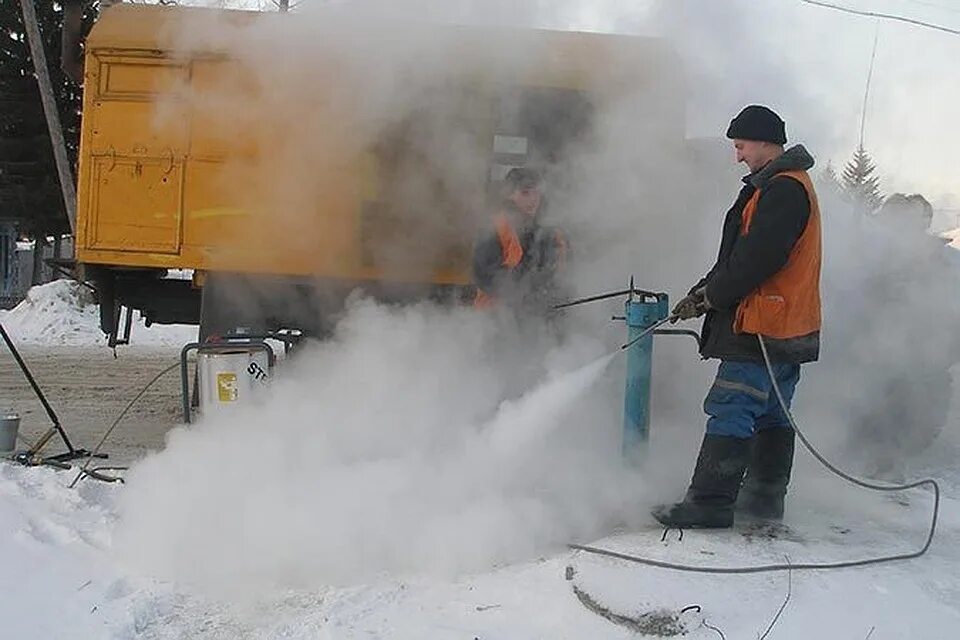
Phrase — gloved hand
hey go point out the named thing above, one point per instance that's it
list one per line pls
(693, 306)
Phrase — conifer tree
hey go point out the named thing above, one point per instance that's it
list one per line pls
(860, 185)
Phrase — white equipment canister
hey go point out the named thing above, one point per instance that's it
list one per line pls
(230, 376)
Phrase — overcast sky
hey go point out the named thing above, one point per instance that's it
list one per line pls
(811, 65)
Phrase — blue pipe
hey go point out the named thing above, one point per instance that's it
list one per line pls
(640, 314)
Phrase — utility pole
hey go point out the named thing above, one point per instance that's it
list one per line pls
(67, 187)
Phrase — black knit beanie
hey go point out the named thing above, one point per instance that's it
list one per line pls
(758, 123)
(522, 178)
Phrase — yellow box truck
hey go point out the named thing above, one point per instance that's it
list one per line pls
(284, 184)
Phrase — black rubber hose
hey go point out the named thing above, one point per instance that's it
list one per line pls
(802, 566)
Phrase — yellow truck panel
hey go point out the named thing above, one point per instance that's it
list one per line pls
(163, 184)
(185, 151)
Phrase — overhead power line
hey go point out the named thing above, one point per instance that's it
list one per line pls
(866, 91)
(935, 5)
(883, 16)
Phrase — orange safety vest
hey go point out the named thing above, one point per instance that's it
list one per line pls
(787, 305)
(512, 252)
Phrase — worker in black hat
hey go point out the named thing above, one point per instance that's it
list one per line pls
(517, 259)
(765, 282)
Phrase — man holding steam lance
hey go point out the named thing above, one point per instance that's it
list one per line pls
(766, 282)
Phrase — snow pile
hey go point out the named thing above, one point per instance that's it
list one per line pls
(63, 312)
(54, 541)
(952, 237)
(60, 312)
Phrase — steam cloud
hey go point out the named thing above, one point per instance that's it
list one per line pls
(422, 439)
(389, 449)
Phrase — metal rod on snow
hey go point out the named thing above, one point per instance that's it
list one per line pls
(54, 418)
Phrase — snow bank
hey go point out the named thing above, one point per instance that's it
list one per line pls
(63, 312)
(953, 237)
(59, 312)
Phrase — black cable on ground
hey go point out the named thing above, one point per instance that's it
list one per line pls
(83, 470)
(801, 566)
(703, 621)
(783, 606)
(714, 629)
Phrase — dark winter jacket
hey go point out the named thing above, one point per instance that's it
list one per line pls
(746, 261)
(533, 280)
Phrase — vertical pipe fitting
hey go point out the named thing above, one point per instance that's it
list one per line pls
(641, 313)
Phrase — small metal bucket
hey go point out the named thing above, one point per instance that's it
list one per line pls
(9, 426)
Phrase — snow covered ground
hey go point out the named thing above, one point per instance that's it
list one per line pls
(62, 312)
(61, 579)
(953, 238)
(345, 510)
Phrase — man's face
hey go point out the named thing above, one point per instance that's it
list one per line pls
(753, 153)
(527, 200)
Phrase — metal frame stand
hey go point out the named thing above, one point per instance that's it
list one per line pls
(32, 455)
(120, 314)
(224, 344)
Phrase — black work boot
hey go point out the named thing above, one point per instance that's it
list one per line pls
(768, 475)
(713, 490)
